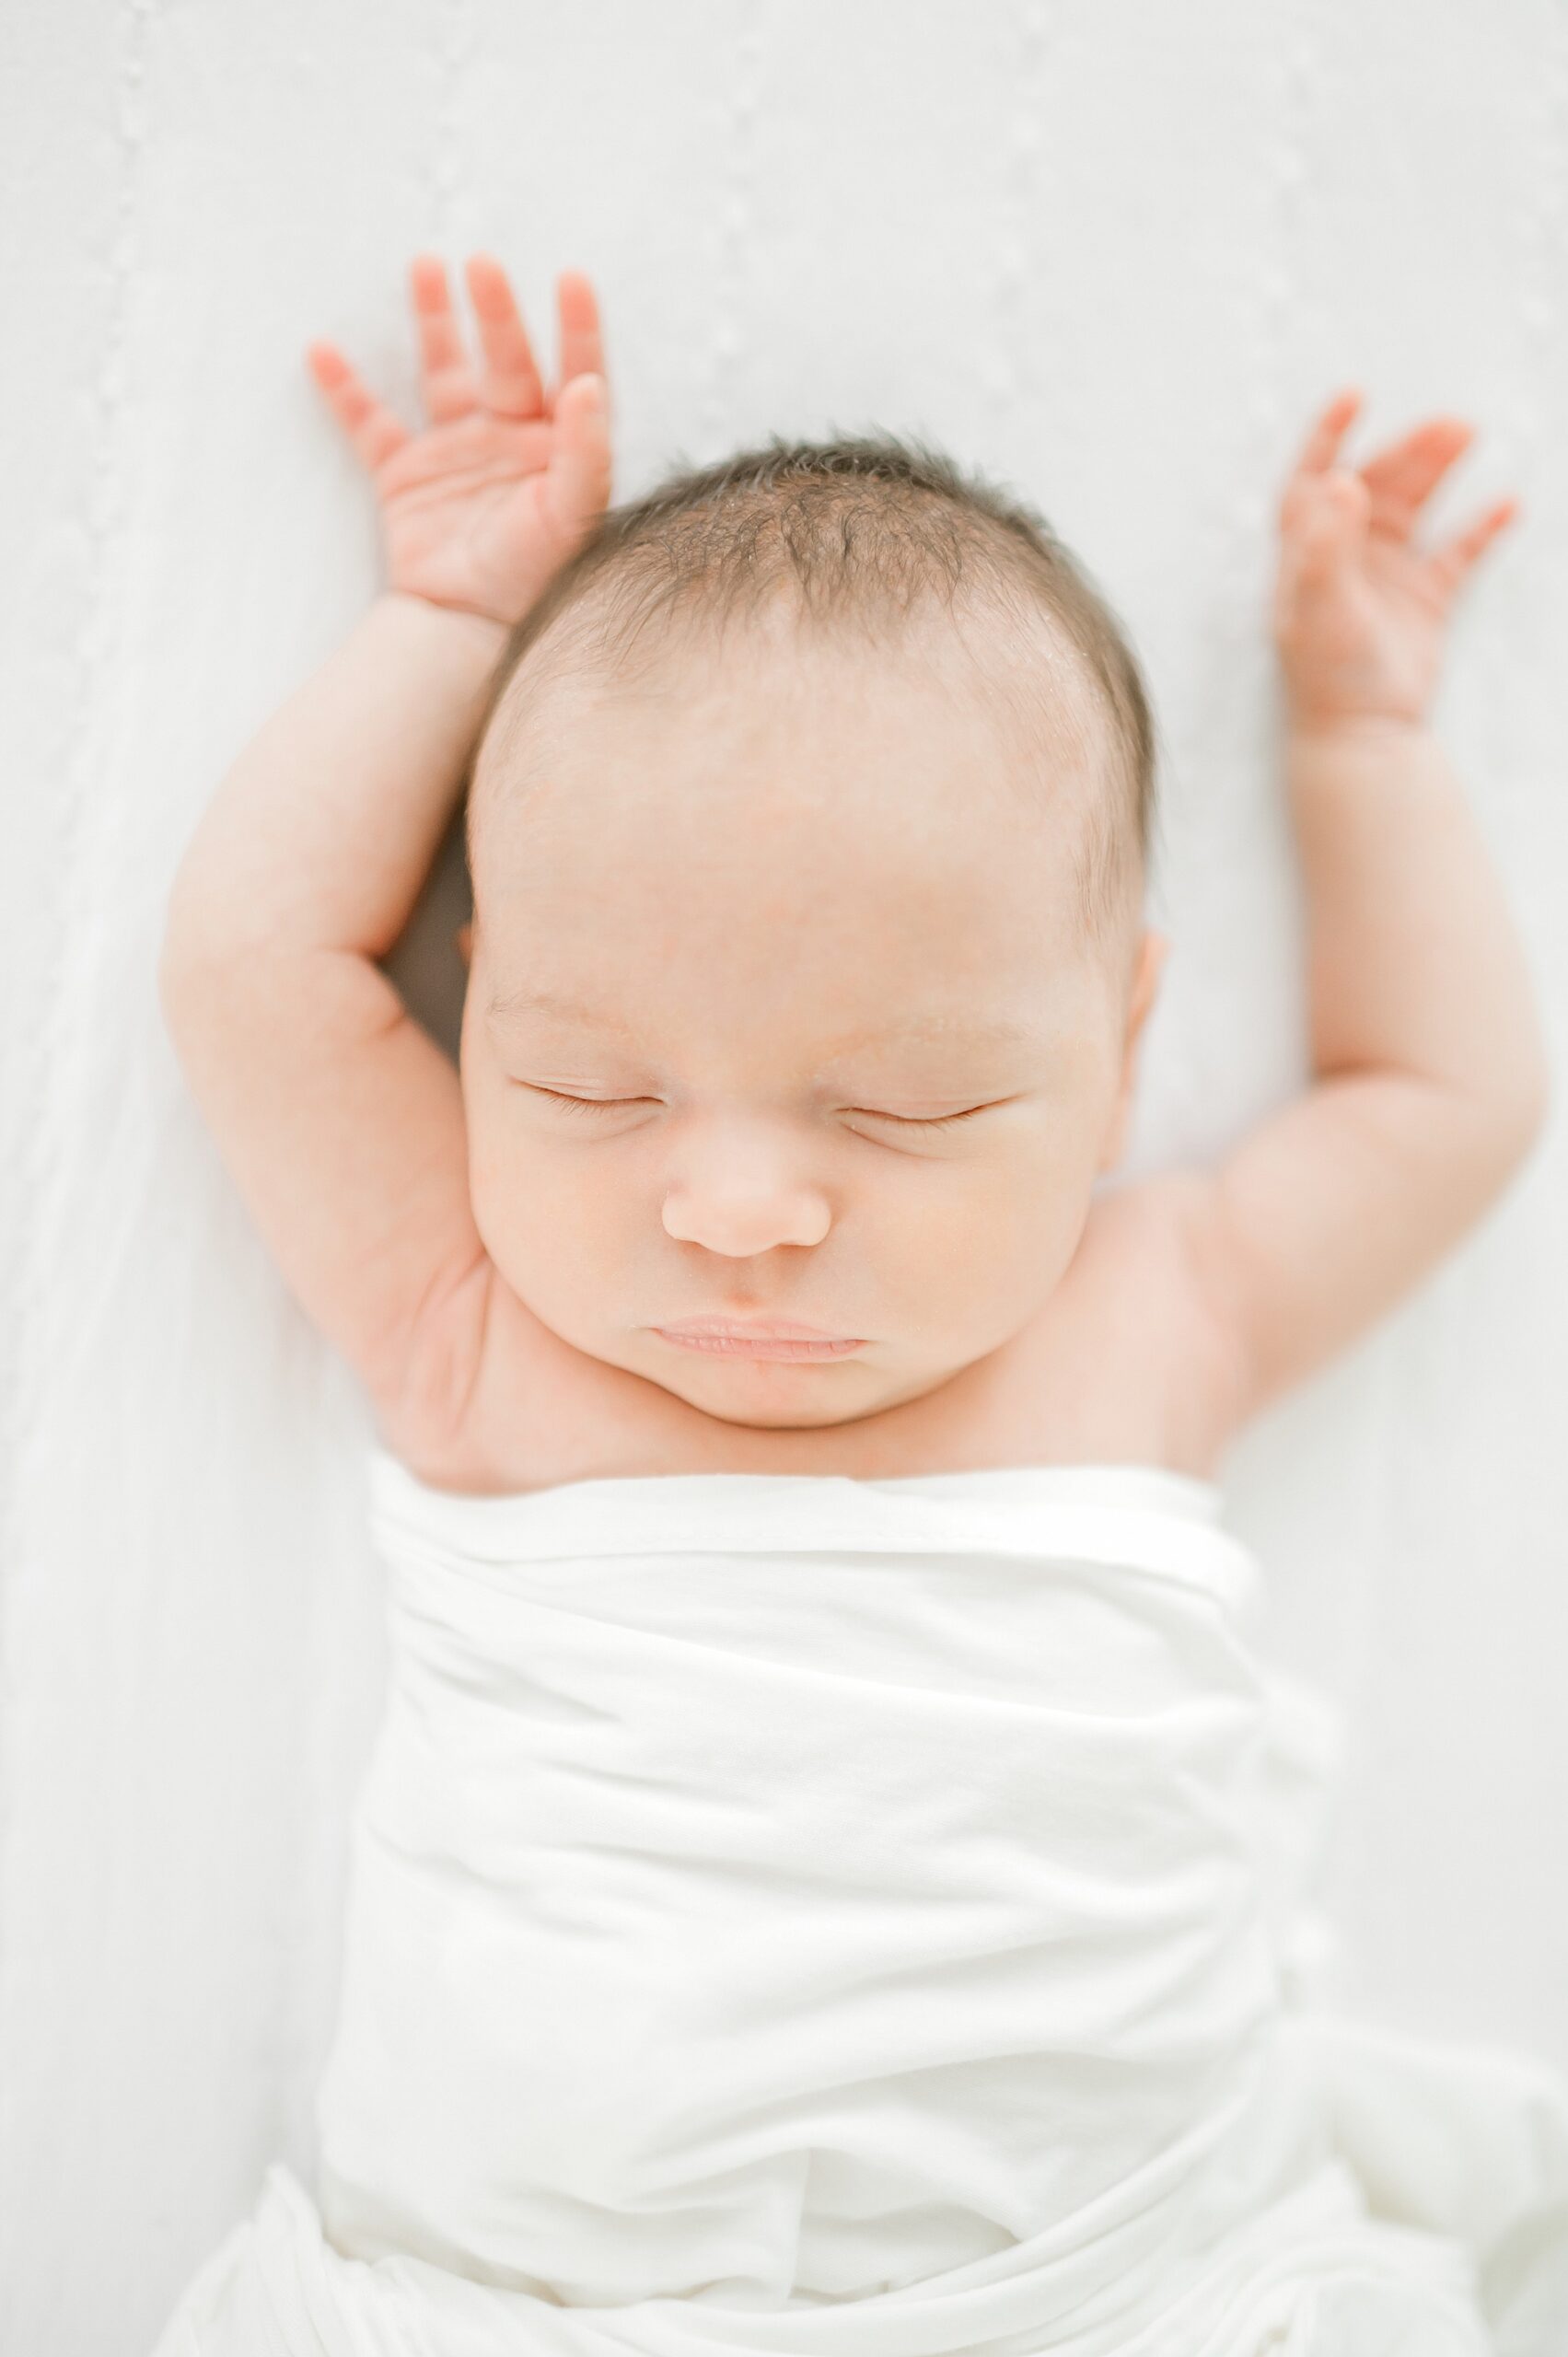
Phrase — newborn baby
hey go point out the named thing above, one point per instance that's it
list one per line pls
(810, 812)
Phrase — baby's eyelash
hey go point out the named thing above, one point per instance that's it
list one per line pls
(902, 1120)
(929, 1121)
(583, 1104)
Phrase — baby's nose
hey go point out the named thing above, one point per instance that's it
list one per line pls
(741, 1216)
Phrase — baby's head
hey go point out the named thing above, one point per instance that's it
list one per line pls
(808, 830)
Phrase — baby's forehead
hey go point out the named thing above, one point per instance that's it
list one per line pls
(761, 839)
(954, 774)
(738, 885)
(990, 714)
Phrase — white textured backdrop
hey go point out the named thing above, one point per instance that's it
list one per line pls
(1115, 254)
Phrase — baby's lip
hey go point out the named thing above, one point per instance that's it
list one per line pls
(755, 1329)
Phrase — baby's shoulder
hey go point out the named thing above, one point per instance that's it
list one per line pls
(1124, 1364)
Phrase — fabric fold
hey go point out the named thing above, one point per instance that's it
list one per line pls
(867, 1920)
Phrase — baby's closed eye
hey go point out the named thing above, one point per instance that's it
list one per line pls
(904, 1121)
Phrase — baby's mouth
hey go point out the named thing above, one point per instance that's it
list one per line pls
(765, 1337)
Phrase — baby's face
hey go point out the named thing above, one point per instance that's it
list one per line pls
(779, 1009)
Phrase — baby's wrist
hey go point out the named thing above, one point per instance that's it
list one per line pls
(1343, 724)
(1332, 749)
(467, 621)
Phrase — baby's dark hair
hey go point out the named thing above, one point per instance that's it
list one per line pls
(860, 529)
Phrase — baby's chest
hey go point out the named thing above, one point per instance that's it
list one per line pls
(1118, 1368)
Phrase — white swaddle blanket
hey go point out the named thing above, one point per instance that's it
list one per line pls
(865, 1918)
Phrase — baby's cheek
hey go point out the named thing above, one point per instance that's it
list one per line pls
(517, 1197)
(989, 1249)
(957, 1229)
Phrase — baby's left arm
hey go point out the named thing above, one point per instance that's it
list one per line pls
(1431, 1073)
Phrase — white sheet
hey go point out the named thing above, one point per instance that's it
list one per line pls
(872, 1920)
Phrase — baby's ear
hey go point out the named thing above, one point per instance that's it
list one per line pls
(1152, 951)
(464, 939)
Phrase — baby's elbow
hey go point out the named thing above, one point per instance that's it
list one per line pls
(1514, 1118)
(1533, 1117)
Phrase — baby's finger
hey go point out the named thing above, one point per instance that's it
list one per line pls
(446, 377)
(1403, 477)
(1453, 560)
(512, 385)
(582, 338)
(577, 485)
(1321, 446)
(373, 429)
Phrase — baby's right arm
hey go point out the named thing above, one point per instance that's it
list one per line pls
(340, 1118)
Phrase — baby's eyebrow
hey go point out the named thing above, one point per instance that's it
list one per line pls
(985, 1030)
(528, 1000)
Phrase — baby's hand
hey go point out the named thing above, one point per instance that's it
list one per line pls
(483, 506)
(1359, 613)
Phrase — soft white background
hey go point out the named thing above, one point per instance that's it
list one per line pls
(1115, 254)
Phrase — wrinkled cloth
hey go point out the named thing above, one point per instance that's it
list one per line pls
(866, 1919)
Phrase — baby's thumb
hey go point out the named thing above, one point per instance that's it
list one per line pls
(577, 485)
(1329, 527)
(1322, 538)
